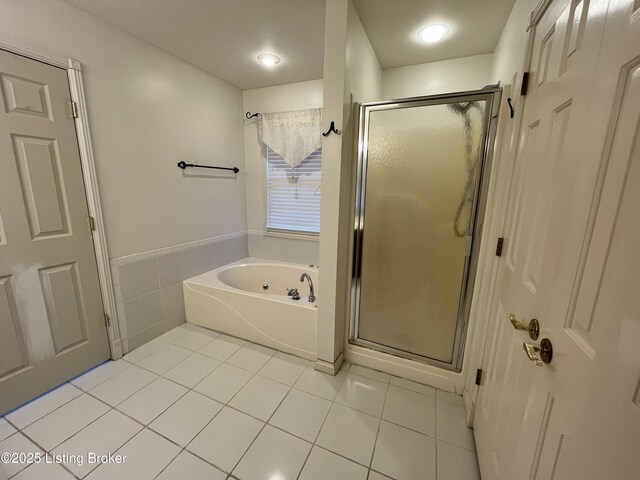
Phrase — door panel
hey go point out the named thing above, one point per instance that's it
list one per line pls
(575, 417)
(51, 314)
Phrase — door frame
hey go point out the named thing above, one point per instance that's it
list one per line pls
(491, 94)
(507, 142)
(89, 174)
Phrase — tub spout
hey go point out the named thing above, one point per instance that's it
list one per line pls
(312, 296)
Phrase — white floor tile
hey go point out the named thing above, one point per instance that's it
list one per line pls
(143, 351)
(451, 426)
(50, 471)
(193, 340)
(413, 386)
(189, 467)
(164, 358)
(192, 370)
(404, 454)
(302, 414)
(6, 429)
(147, 454)
(60, 424)
(251, 357)
(363, 394)
(174, 334)
(185, 418)
(349, 433)
(322, 465)
(152, 400)
(260, 397)
(274, 454)
(449, 397)
(455, 463)
(410, 409)
(223, 383)
(39, 407)
(107, 434)
(123, 385)
(370, 373)
(320, 384)
(378, 476)
(284, 368)
(226, 438)
(99, 374)
(16, 443)
(222, 347)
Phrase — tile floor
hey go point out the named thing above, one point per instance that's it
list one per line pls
(195, 404)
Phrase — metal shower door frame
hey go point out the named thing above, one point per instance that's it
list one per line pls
(491, 95)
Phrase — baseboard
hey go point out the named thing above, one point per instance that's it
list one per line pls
(328, 367)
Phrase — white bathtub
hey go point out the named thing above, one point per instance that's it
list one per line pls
(231, 299)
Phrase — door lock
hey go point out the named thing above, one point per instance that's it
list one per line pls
(545, 349)
(533, 328)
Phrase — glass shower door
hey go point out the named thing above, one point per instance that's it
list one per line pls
(419, 178)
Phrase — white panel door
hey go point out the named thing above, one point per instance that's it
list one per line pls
(571, 259)
(51, 315)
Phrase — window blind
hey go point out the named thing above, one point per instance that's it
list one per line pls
(293, 194)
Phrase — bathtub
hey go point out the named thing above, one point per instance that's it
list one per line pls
(233, 299)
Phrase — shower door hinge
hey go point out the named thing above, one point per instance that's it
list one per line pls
(74, 109)
(478, 376)
(92, 223)
(525, 83)
(107, 320)
(499, 245)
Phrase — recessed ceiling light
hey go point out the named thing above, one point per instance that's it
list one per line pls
(268, 59)
(432, 33)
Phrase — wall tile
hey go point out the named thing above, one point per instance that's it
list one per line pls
(142, 312)
(197, 260)
(172, 300)
(229, 250)
(171, 268)
(138, 278)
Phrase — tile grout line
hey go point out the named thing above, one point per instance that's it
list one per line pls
(253, 375)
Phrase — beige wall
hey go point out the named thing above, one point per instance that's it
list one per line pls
(147, 111)
(281, 98)
(457, 75)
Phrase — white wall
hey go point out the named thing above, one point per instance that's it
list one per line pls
(509, 52)
(281, 98)
(457, 75)
(351, 71)
(148, 110)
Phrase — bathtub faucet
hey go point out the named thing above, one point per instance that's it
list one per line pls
(312, 297)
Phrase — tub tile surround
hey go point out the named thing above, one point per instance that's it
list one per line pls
(189, 417)
(148, 285)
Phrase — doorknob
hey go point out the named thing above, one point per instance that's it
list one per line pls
(533, 328)
(545, 348)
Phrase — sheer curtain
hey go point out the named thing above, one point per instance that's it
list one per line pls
(292, 135)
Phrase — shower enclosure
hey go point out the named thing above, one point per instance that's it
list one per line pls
(420, 192)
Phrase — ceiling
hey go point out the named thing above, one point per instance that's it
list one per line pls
(223, 37)
(474, 28)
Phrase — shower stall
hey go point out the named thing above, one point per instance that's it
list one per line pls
(420, 192)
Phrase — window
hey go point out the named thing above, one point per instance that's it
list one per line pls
(293, 194)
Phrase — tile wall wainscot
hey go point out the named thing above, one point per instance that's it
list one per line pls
(148, 285)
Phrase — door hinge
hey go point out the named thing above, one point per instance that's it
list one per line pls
(478, 376)
(74, 109)
(499, 245)
(92, 223)
(107, 320)
(525, 83)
